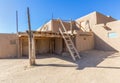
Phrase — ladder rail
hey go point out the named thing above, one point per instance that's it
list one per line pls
(84, 29)
(62, 25)
(67, 45)
(70, 40)
(68, 36)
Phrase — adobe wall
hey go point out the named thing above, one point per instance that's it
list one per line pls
(42, 45)
(58, 45)
(90, 17)
(103, 19)
(25, 47)
(102, 39)
(45, 45)
(94, 18)
(8, 45)
(46, 27)
(84, 41)
(56, 25)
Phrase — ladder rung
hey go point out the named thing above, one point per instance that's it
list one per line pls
(69, 42)
(75, 56)
(67, 38)
(71, 47)
(73, 52)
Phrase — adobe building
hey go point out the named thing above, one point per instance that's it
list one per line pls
(93, 31)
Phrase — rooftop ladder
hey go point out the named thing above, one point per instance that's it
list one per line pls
(71, 48)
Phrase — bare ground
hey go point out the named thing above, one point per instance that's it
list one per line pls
(93, 67)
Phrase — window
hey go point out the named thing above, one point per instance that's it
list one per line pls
(112, 35)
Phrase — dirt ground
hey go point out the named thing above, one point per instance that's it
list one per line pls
(93, 67)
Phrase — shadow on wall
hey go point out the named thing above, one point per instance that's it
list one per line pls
(100, 44)
(107, 28)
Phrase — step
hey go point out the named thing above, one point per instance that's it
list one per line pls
(69, 42)
(67, 38)
(71, 45)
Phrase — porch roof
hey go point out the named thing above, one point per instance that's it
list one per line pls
(39, 34)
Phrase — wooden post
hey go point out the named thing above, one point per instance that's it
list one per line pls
(17, 21)
(31, 42)
(33, 49)
(20, 47)
(18, 42)
(71, 27)
(50, 46)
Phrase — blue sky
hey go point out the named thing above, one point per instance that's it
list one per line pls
(41, 11)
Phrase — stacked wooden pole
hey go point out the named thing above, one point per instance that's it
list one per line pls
(31, 42)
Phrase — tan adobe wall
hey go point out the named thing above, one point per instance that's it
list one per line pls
(42, 45)
(84, 41)
(8, 45)
(90, 17)
(94, 18)
(103, 41)
(103, 19)
(46, 27)
(58, 45)
(56, 25)
(24, 47)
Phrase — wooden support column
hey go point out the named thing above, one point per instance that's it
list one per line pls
(33, 50)
(31, 42)
(18, 43)
(71, 27)
(50, 46)
(20, 48)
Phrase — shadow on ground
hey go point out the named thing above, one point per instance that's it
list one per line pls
(93, 58)
(88, 59)
(56, 65)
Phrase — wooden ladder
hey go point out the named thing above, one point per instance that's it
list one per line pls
(68, 41)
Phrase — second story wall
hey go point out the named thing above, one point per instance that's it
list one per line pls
(107, 37)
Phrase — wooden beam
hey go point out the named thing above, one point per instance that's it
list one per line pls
(31, 42)
(17, 22)
(18, 42)
(20, 48)
(71, 27)
(33, 50)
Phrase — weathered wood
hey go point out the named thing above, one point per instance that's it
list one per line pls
(18, 43)
(71, 27)
(31, 42)
(69, 43)
(50, 46)
(17, 22)
(33, 50)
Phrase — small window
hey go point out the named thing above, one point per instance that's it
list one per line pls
(112, 35)
(84, 38)
(12, 42)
